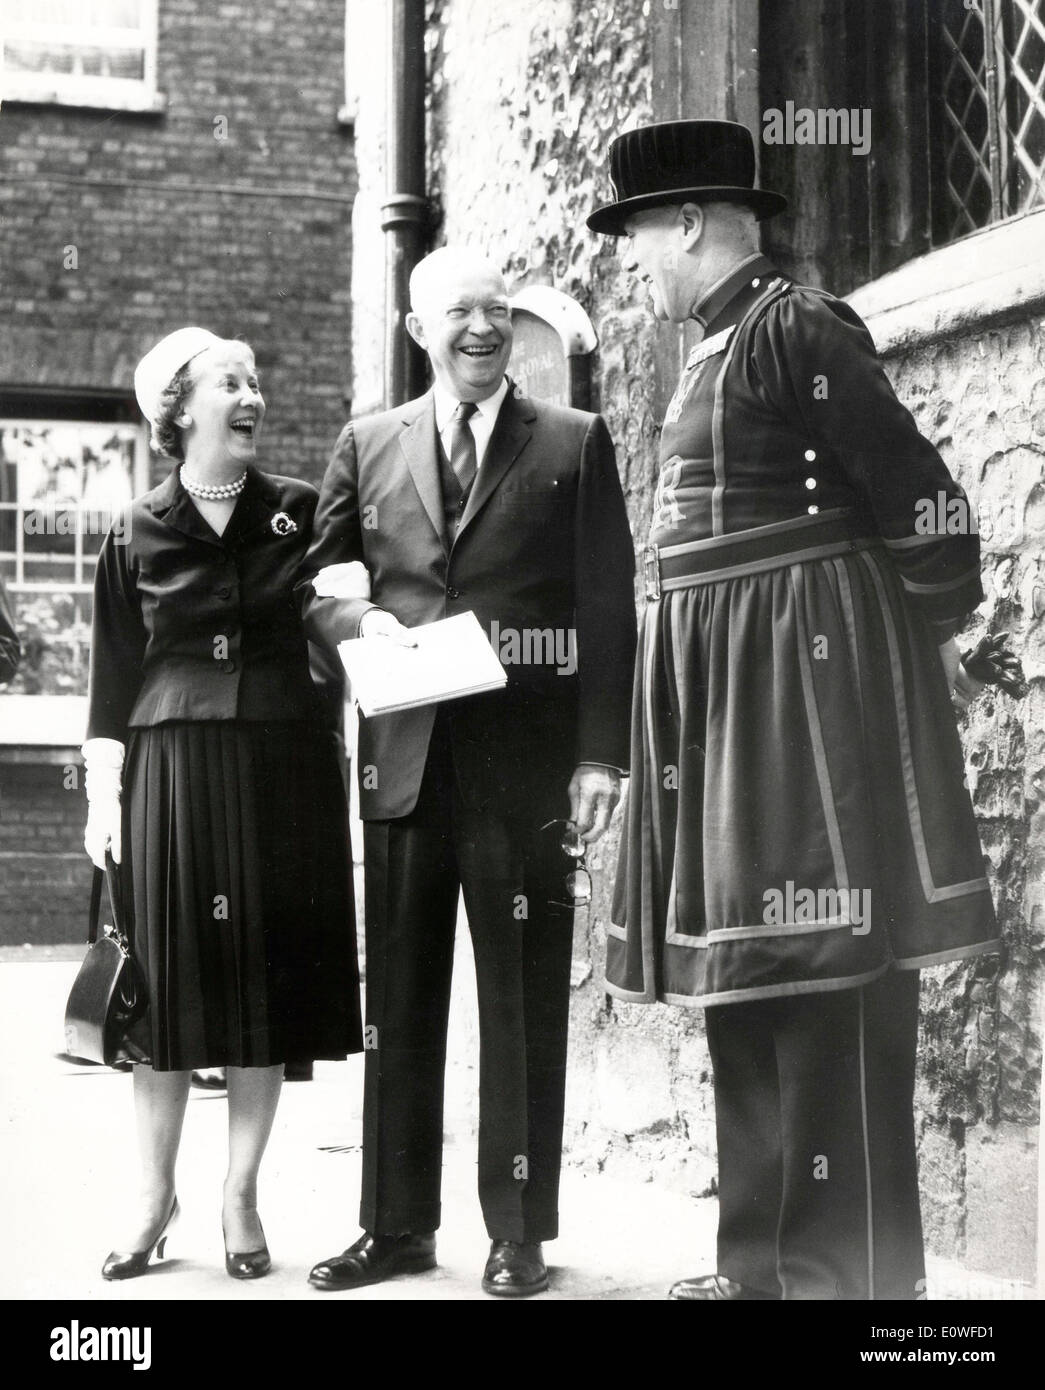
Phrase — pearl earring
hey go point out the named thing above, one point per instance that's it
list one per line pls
(185, 420)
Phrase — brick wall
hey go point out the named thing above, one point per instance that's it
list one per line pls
(45, 876)
(248, 235)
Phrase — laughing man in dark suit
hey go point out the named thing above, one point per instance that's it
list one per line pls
(474, 497)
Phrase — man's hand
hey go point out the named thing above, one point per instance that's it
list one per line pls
(963, 687)
(950, 655)
(594, 791)
(966, 688)
(378, 622)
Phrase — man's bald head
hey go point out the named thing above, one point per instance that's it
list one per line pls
(461, 317)
(441, 269)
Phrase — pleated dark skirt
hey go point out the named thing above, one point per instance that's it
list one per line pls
(797, 819)
(236, 853)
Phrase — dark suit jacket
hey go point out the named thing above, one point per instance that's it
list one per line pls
(543, 543)
(169, 587)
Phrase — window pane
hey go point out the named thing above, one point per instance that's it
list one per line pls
(989, 140)
(122, 14)
(73, 61)
(8, 530)
(49, 534)
(1021, 37)
(50, 571)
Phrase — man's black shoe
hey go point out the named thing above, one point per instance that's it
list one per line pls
(373, 1259)
(714, 1288)
(514, 1270)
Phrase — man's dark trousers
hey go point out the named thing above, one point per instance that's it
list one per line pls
(818, 1178)
(522, 942)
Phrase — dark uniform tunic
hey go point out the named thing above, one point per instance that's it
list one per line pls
(797, 823)
(235, 838)
(795, 760)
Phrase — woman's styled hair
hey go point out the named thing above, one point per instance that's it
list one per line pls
(166, 435)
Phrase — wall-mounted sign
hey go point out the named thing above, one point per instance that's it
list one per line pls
(554, 340)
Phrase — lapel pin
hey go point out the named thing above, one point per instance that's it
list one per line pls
(283, 525)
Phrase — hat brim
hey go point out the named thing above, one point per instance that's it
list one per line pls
(610, 218)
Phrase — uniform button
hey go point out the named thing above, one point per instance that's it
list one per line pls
(812, 510)
(810, 455)
(810, 483)
(755, 284)
(223, 591)
(451, 592)
(229, 666)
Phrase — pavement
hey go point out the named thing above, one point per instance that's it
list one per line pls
(67, 1157)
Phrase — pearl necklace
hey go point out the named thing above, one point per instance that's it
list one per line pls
(209, 492)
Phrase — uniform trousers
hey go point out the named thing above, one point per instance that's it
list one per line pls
(511, 879)
(818, 1178)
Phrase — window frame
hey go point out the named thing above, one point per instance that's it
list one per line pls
(65, 89)
(79, 585)
(1004, 148)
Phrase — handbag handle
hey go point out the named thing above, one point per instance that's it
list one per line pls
(111, 875)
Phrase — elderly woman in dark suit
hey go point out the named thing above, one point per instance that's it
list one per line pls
(212, 775)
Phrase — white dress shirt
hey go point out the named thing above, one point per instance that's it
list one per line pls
(481, 423)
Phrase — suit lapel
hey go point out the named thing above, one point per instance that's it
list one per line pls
(174, 507)
(510, 436)
(418, 443)
(256, 507)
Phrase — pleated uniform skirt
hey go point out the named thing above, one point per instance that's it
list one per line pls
(797, 818)
(236, 852)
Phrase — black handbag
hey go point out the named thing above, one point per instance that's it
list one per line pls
(105, 1016)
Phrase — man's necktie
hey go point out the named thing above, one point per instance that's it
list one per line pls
(462, 446)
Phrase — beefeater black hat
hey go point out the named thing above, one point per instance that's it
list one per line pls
(682, 162)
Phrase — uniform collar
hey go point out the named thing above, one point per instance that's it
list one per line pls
(743, 277)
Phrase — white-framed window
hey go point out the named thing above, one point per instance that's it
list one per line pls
(62, 483)
(80, 52)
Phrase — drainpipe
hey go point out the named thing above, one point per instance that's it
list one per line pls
(405, 212)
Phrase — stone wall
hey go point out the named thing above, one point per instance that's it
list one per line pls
(980, 397)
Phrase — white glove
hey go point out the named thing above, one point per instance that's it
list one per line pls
(103, 780)
(350, 580)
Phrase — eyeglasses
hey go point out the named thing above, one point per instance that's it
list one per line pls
(577, 883)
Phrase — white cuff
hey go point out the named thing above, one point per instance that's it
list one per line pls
(349, 580)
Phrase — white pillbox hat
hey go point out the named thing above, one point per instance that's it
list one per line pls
(159, 365)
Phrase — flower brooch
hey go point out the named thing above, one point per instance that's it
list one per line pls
(283, 525)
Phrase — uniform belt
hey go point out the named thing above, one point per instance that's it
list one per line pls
(835, 532)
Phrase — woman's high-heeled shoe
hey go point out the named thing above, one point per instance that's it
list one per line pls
(129, 1264)
(251, 1264)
